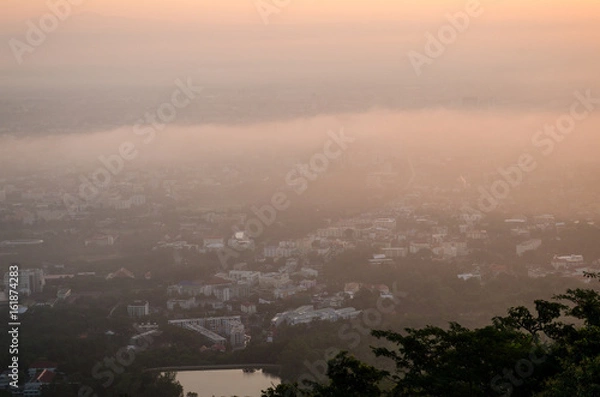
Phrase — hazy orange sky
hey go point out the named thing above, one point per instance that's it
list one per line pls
(244, 11)
(225, 41)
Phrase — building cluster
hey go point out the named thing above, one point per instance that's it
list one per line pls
(240, 284)
(39, 374)
(308, 314)
(218, 330)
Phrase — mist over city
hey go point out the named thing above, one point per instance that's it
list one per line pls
(285, 198)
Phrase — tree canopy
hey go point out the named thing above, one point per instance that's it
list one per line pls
(552, 350)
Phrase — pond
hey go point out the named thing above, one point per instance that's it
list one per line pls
(226, 383)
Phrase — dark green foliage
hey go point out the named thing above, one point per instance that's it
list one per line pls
(540, 354)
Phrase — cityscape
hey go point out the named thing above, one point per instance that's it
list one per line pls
(296, 199)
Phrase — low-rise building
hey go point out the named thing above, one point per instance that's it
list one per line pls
(214, 328)
(308, 314)
(185, 304)
(273, 280)
(248, 308)
(566, 261)
(30, 281)
(138, 309)
(529, 245)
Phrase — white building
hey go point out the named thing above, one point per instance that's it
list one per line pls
(248, 308)
(138, 309)
(104, 240)
(468, 276)
(566, 261)
(216, 327)
(386, 223)
(240, 242)
(273, 280)
(30, 281)
(529, 245)
(308, 314)
(185, 304)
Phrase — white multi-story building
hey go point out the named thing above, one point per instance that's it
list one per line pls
(223, 294)
(566, 261)
(248, 308)
(416, 246)
(529, 245)
(215, 327)
(138, 309)
(273, 280)
(308, 314)
(30, 281)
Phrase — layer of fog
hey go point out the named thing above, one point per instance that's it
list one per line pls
(499, 135)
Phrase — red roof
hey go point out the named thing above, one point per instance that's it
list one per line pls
(46, 376)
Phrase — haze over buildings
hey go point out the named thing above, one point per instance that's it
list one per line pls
(261, 183)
